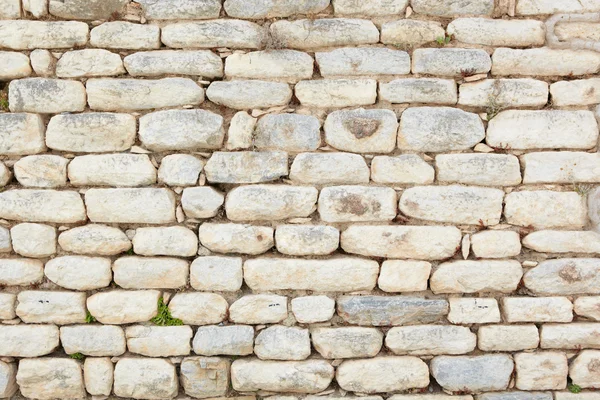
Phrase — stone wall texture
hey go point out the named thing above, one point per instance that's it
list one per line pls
(300, 199)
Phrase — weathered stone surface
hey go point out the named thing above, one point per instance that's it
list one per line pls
(545, 209)
(390, 310)
(20, 271)
(541, 371)
(362, 131)
(302, 240)
(138, 94)
(14, 65)
(11, 9)
(548, 241)
(181, 130)
(469, 7)
(123, 306)
(329, 169)
(410, 32)
(181, 9)
(479, 169)
(311, 309)
(450, 62)
(195, 308)
(473, 374)
(467, 276)
(42, 61)
(577, 30)
(419, 90)
(407, 242)
(289, 132)
(224, 340)
(382, 374)
(94, 239)
(5, 245)
(242, 94)
(212, 34)
(496, 244)
(545, 129)
(363, 61)
(564, 276)
(36, 306)
(339, 274)
(439, 129)
(504, 93)
(7, 306)
(561, 167)
(33, 240)
(373, 8)
(583, 370)
(578, 92)
(246, 166)
(28, 340)
(51, 378)
(89, 62)
(112, 170)
(46, 96)
(516, 395)
(473, 311)
(159, 341)
(147, 205)
(357, 203)
(156, 63)
(326, 32)
(574, 336)
(216, 274)
(507, 337)
(93, 340)
(145, 378)
(537, 7)
(21, 134)
(259, 309)
(180, 170)
(165, 241)
(544, 62)
(43, 171)
(236, 238)
(125, 35)
(336, 93)
(279, 342)
(201, 202)
(453, 204)
(42, 206)
(8, 382)
(588, 307)
(98, 375)
(29, 35)
(497, 32)
(270, 202)
(537, 309)
(241, 131)
(346, 342)
(281, 65)
(93, 9)
(91, 132)
(79, 272)
(311, 376)
(259, 9)
(404, 276)
(430, 340)
(5, 176)
(202, 377)
(150, 272)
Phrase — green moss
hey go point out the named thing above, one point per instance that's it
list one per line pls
(77, 356)
(164, 318)
(574, 388)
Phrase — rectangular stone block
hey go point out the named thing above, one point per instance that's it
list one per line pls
(469, 7)
(544, 61)
(125, 35)
(159, 341)
(544, 209)
(145, 378)
(329, 169)
(14, 65)
(419, 90)
(246, 166)
(473, 374)
(181, 9)
(561, 167)
(565, 276)
(21, 134)
(63, 308)
(575, 93)
(124, 306)
(146, 206)
(404, 276)
(150, 272)
(537, 309)
(204, 377)
(494, 94)
(574, 336)
(430, 340)
(29, 35)
(202, 63)
(507, 337)
(383, 374)
(213, 34)
(498, 32)
(336, 93)
(46, 96)
(236, 238)
(288, 132)
(246, 94)
(402, 169)
(538, 7)
(357, 204)
(541, 371)
(33, 205)
(28, 340)
(51, 378)
(281, 65)
(346, 342)
(93, 340)
(224, 340)
(112, 170)
(363, 61)
(450, 62)
(476, 276)
(496, 244)
(86, 10)
(479, 169)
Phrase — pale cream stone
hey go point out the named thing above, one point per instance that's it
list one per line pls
(382, 374)
(498, 32)
(568, 31)
(406, 242)
(572, 396)
(450, 62)
(202, 377)
(98, 374)
(5, 175)
(541, 371)
(402, 169)
(357, 204)
(346, 342)
(496, 244)
(282, 65)
(165, 241)
(259, 309)
(147, 206)
(479, 169)
(336, 93)
(280, 342)
(325, 32)
(145, 378)
(236, 238)
(370, 8)
(241, 130)
(467, 276)
(549, 241)
(508, 337)
(588, 307)
(472, 310)
(33, 240)
(181, 9)
(125, 35)
(26, 340)
(574, 336)
(7, 306)
(561, 167)
(544, 61)
(43, 171)
(409, 32)
(92, 9)
(45, 96)
(473, 374)
(419, 90)
(10, 9)
(306, 240)
(470, 7)
(404, 276)
(14, 65)
(367, 61)
(202, 63)
(79, 272)
(245, 94)
(195, 308)
(51, 378)
(89, 62)
(43, 61)
(20, 271)
(216, 33)
(246, 166)
(94, 239)
(537, 309)
(288, 132)
(201, 202)
(259, 9)
(8, 382)
(564, 276)
(216, 273)
(225, 340)
(124, 306)
(583, 371)
(430, 340)
(159, 341)
(270, 202)
(5, 245)
(503, 93)
(21, 134)
(127, 170)
(545, 209)
(29, 35)
(150, 272)
(311, 309)
(36, 306)
(577, 92)
(93, 340)
(537, 7)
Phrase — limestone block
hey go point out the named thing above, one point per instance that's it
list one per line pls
(79, 272)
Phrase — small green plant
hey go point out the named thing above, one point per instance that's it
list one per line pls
(444, 40)
(164, 318)
(581, 190)
(89, 318)
(130, 252)
(3, 101)
(493, 107)
(574, 388)
(77, 356)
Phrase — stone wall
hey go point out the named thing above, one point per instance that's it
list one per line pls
(286, 199)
